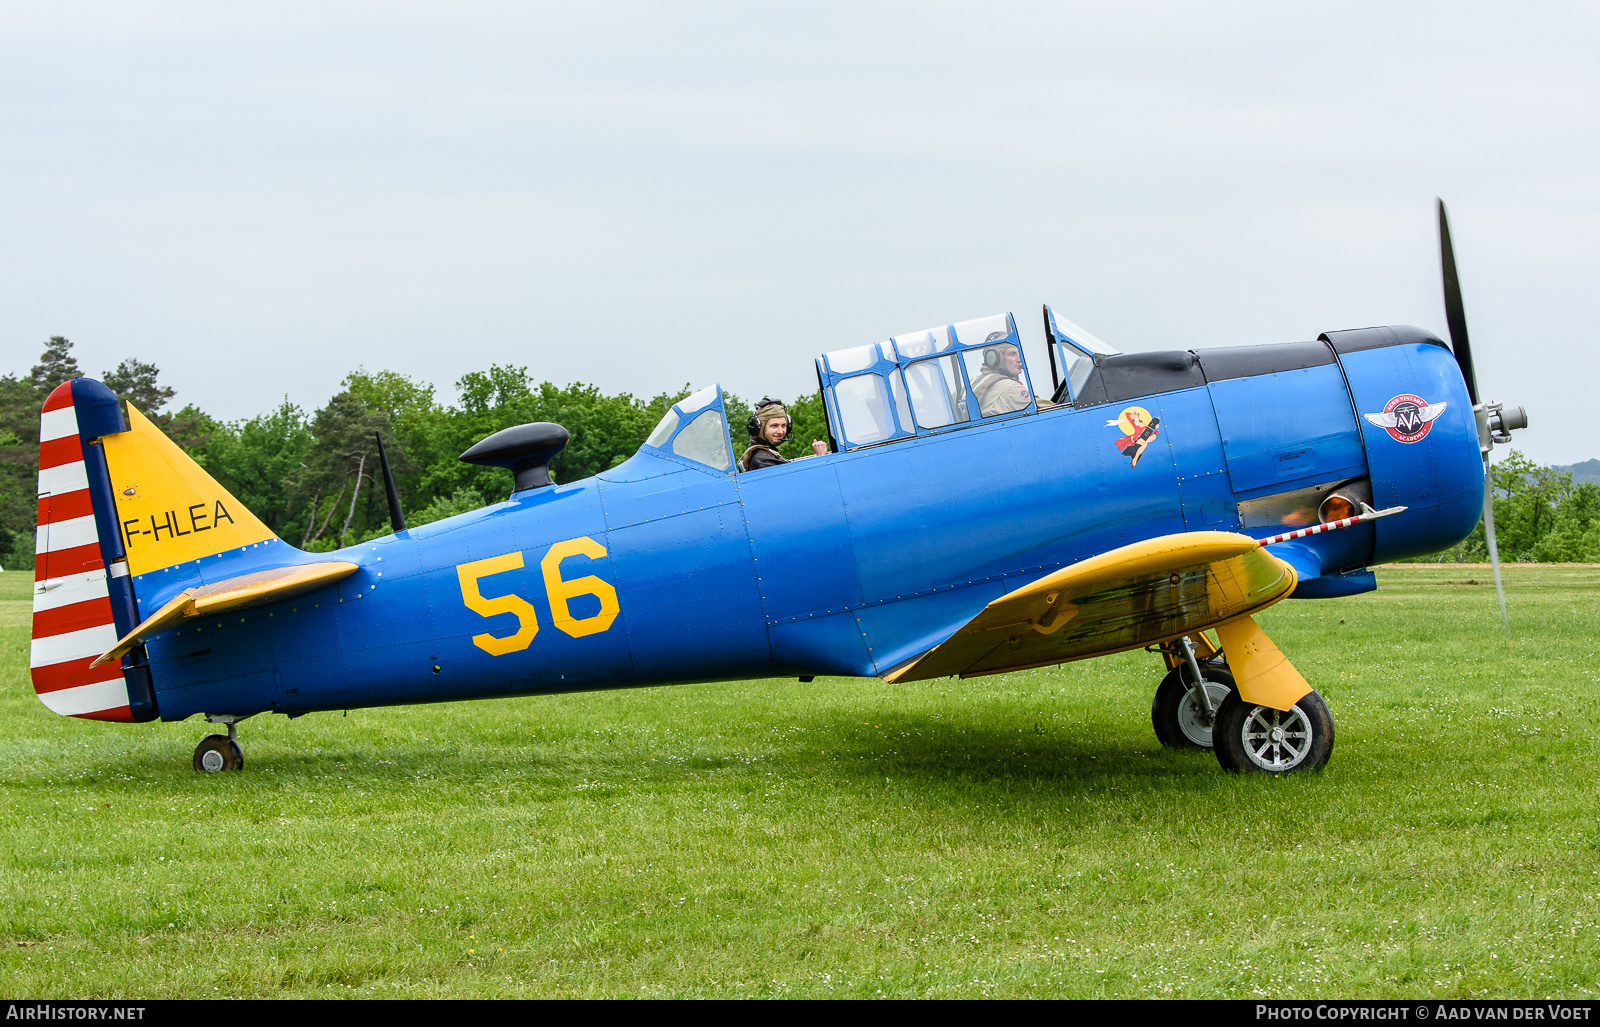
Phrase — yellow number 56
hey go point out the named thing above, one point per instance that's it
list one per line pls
(559, 592)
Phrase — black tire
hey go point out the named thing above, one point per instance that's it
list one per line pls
(1245, 739)
(217, 753)
(1176, 713)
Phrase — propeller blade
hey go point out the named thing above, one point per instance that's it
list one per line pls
(1494, 550)
(1455, 313)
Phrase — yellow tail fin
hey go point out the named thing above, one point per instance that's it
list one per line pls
(170, 509)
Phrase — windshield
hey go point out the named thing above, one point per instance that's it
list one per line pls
(695, 429)
(1074, 349)
(699, 400)
(705, 441)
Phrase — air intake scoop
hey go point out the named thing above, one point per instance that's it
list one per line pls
(525, 449)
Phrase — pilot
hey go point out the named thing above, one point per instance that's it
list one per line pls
(1000, 388)
(768, 427)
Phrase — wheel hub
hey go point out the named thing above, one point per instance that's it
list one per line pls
(212, 761)
(1194, 720)
(1275, 740)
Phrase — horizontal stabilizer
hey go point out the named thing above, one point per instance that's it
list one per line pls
(1138, 595)
(231, 594)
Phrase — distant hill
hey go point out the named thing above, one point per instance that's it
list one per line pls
(1589, 470)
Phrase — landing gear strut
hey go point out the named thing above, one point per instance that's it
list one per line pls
(217, 753)
(1181, 713)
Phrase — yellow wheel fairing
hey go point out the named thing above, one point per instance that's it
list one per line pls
(1263, 675)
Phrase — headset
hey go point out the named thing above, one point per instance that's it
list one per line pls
(991, 350)
(753, 426)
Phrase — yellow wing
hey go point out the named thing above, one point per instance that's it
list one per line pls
(232, 594)
(1141, 594)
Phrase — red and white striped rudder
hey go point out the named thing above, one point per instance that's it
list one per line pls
(72, 615)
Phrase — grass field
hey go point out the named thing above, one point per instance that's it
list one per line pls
(1020, 835)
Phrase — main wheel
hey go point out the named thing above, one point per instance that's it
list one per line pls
(217, 753)
(1260, 739)
(1178, 715)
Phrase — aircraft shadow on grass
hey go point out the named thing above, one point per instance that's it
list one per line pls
(839, 752)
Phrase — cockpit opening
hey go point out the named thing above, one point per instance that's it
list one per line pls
(932, 380)
(926, 381)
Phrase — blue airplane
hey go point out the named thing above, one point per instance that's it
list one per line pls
(959, 525)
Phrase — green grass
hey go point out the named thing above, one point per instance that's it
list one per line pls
(1018, 835)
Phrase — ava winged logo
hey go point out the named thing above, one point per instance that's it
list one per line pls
(1407, 418)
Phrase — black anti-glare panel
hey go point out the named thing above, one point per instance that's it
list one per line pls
(1130, 375)
(1357, 339)
(1227, 362)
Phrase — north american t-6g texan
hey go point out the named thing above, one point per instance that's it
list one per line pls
(1153, 497)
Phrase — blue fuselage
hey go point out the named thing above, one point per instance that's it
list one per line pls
(848, 563)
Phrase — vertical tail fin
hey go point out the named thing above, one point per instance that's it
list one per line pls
(118, 501)
(168, 510)
(75, 606)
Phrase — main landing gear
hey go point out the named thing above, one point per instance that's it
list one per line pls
(1260, 739)
(1245, 737)
(1182, 714)
(217, 753)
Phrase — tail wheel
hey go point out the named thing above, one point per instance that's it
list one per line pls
(1260, 739)
(217, 753)
(1181, 720)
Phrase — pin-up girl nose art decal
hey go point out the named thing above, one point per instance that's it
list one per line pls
(1138, 428)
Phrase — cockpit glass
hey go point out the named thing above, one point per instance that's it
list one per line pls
(863, 407)
(1078, 373)
(1082, 338)
(704, 398)
(664, 430)
(998, 379)
(857, 358)
(983, 329)
(902, 408)
(920, 344)
(927, 380)
(705, 440)
(1076, 349)
(938, 396)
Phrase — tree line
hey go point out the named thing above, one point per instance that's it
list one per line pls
(314, 478)
(1540, 516)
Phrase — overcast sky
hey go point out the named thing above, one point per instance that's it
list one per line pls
(261, 199)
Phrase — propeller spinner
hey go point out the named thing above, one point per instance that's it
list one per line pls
(1496, 421)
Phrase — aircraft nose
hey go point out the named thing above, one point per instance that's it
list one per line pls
(1504, 420)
